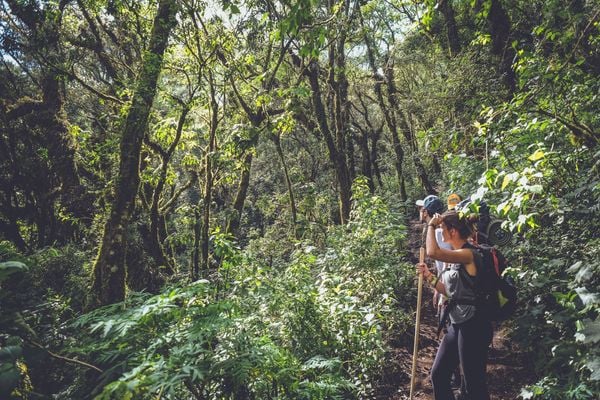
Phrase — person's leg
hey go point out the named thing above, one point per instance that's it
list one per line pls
(474, 338)
(456, 380)
(445, 362)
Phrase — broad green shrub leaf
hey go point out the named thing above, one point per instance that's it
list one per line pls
(10, 267)
(586, 297)
(583, 272)
(537, 155)
(574, 268)
(10, 353)
(9, 379)
(590, 332)
(320, 362)
(594, 366)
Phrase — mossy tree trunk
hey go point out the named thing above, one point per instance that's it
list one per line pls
(336, 152)
(41, 38)
(109, 268)
(445, 7)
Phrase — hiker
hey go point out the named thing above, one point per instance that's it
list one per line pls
(453, 200)
(470, 332)
(428, 207)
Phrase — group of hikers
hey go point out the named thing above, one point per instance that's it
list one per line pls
(462, 354)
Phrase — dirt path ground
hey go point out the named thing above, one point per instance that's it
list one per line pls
(507, 370)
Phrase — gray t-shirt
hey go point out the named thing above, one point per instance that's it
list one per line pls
(456, 289)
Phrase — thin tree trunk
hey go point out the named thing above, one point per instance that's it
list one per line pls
(256, 119)
(336, 155)
(363, 143)
(407, 133)
(500, 26)
(277, 140)
(238, 205)
(208, 184)
(445, 6)
(374, 157)
(156, 218)
(195, 270)
(389, 116)
(109, 268)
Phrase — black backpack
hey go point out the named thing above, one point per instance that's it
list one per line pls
(495, 295)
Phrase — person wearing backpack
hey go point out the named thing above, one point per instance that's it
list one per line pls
(470, 332)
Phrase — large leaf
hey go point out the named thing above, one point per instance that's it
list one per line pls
(10, 353)
(586, 297)
(10, 267)
(594, 366)
(590, 333)
(9, 379)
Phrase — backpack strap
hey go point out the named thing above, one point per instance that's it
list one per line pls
(495, 259)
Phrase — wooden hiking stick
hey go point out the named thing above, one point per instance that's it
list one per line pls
(418, 321)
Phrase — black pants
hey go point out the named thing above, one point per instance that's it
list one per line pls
(466, 343)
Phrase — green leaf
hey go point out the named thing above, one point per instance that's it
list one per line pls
(590, 333)
(506, 180)
(107, 326)
(574, 268)
(586, 297)
(594, 366)
(536, 188)
(584, 274)
(526, 393)
(10, 353)
(10, 267)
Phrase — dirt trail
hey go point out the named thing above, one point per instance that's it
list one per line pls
(507, 369)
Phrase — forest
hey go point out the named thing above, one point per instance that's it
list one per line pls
(214, 199)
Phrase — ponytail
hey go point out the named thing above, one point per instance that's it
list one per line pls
(464, 224)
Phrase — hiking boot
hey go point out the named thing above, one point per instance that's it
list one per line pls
(455, 382)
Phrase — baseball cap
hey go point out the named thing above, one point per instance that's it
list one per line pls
(453, 200)
(466, 203)
(432, 204)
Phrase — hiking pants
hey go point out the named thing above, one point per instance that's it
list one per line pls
(466, 343)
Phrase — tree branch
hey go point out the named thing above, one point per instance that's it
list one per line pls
(63, 358)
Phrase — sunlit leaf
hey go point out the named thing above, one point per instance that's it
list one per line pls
(590, 333)
(586, 297)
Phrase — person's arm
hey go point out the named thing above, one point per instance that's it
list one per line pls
(431, 278)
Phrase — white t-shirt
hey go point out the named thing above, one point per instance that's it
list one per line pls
(439, 265)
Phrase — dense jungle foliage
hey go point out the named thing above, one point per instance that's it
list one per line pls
(211, 199)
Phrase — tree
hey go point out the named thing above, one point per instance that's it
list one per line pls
(110, 265)
(34, 30)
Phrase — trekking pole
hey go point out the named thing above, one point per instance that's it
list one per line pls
(417, 323)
